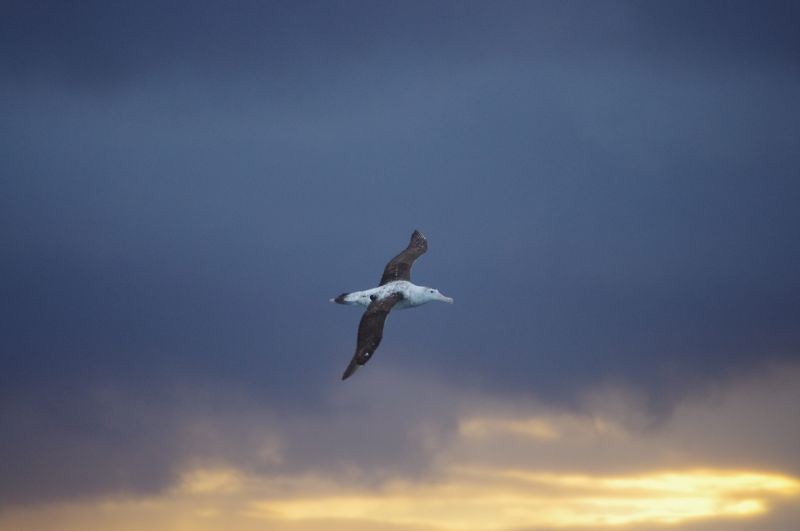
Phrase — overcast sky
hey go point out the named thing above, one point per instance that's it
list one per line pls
(609, 190)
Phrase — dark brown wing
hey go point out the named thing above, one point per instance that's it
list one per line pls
(370, 331)
(399, 267)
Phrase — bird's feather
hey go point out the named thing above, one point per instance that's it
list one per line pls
(399, 267)
(370, 331)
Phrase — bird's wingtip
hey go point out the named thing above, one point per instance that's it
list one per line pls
(350, 371)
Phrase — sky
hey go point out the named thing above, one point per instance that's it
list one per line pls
(609, 191)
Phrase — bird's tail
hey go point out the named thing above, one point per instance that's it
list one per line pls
(351, 369)
(341, 299)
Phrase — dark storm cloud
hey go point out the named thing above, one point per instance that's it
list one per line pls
(609, 191)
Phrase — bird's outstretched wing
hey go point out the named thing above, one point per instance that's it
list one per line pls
(399, 267)
(370, 331)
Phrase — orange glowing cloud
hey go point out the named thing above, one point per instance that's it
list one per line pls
(463, 499)
(509, 499)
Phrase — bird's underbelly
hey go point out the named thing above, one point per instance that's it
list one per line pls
(404, 305)
(364, 298)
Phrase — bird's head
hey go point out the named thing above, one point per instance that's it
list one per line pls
(433, 294)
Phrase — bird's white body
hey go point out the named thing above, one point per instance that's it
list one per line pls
(413, 295)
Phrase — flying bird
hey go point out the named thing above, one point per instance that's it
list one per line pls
(394, 291)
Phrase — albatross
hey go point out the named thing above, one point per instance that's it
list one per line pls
(395, 291)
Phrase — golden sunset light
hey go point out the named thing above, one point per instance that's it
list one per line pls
(491, 500)
(482, 500)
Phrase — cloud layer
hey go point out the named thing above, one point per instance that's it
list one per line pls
(499, 464)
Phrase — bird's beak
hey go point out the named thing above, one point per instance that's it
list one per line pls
(445, 299)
